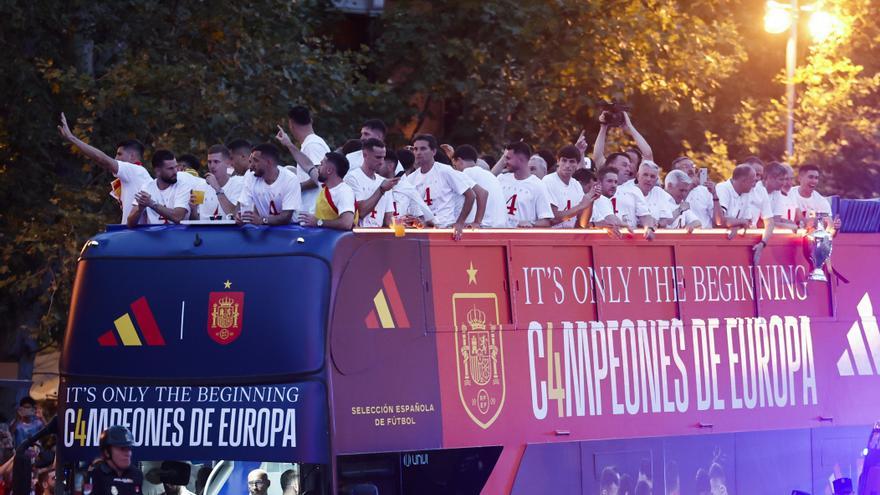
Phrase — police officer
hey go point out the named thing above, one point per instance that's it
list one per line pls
(114, 474)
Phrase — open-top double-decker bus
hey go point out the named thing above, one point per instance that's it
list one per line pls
(528, 361)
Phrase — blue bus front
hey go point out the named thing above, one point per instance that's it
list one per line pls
(209, 344)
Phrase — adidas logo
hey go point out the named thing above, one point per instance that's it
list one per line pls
(387, 307)
(128, 335)
(857, 336)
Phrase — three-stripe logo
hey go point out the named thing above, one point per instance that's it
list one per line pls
(857, 337)
(128, 335)
(388, 310)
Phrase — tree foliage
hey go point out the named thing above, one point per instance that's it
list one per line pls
(536, 69)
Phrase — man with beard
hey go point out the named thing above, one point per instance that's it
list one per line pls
(126, 167)
(271, 193)
(334, 206)
(163, 199)
(604, 207)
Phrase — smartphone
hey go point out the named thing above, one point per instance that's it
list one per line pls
(704, 173)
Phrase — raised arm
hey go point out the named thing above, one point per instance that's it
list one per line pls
(500, 165)
(101, 158)
(642, 144)
(599, 145)
(301, 159)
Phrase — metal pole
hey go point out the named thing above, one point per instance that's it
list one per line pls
(790, 66)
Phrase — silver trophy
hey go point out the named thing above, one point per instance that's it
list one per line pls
(817, 249)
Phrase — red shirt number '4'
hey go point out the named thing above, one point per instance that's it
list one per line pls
(511, 205)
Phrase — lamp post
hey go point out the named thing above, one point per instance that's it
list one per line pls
(778, 18)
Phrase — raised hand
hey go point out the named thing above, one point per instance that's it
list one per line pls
(64, 129)
(283, 138)
(581, 143)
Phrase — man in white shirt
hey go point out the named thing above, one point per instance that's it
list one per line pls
(406, 204)
(678, 185)
(492, 215)
(372, 129)
(126, 167)
(604, 212)
(658, 200)
(219, 187)
(526, 197)
(567, 198)
(370, 188)
(735, 199)
(701, 199)
(447, 192)
(538, 166)
(164, 199)
(783, 206)
(299, 122)
(631, 206)
(335, 204)
(810, 202)
(271, 193)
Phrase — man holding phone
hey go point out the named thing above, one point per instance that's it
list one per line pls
(702, 199)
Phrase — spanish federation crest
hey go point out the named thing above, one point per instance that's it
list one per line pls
(225, 314)
(479, 356)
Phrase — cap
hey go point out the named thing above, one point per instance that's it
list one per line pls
(116, 436)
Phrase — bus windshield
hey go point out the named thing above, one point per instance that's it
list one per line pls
(203, 319)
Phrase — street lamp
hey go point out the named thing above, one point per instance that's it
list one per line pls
(780, 17)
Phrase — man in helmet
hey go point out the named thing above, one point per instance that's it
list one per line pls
(115, 474)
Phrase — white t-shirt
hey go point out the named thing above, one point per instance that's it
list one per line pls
(659, 202)
(342, 196)
(733, 204)
(314, 147)
(684, 218)
(602, 208)
(364, 187)
(526, 200)
(406, 200)
(760, 202)
(630, 204)
(563, 196)
(174, 196)
(271, 199)
(441, 188)
(133, 178)
(784, 205)
(211, 206)
(815, 203)
(495, 215)
(702, 205)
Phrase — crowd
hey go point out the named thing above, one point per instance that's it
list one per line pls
(39, 468)
(364, 183)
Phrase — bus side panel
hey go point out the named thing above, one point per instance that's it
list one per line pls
(708, 351)
(385, 391)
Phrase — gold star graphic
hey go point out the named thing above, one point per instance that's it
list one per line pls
(472, 274)
(227, 285)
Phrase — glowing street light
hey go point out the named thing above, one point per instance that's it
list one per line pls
(822, 24)
(777, 19)
(780, 17)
